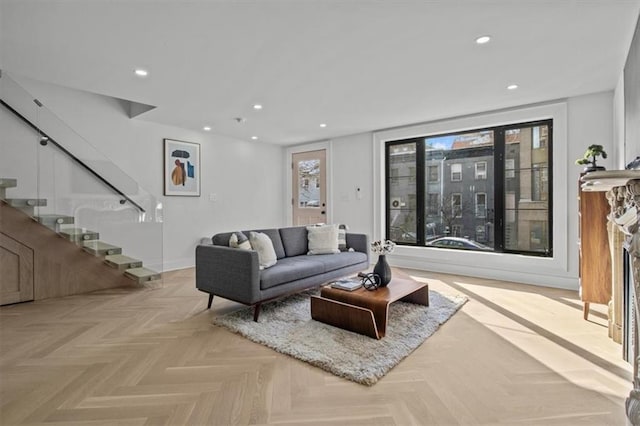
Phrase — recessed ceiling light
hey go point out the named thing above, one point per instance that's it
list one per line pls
(257, 106)
(512, 86)
(206, 128)
(483, 39)
(254, 138)
(141, 73)
(323, 125)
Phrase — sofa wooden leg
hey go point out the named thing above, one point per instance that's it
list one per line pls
(210, 301)
(256, 312)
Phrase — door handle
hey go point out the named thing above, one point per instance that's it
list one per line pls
(323, 212)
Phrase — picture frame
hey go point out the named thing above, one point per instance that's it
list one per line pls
(181, 168)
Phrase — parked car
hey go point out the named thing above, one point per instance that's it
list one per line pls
(457, 243)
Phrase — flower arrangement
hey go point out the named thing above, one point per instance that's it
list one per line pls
(383, 247)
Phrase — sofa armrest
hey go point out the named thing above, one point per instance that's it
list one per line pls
(228, 272)
(359, 242)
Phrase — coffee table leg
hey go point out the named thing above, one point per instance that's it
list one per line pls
(345, 316)
(380, 311)
(419, 297)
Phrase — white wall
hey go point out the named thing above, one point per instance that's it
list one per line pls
(578, 122)
(246, 177)
(622, 155)
(351, 169)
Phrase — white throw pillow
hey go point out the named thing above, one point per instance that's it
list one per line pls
(323, 239)
(240, 241)
(264, 246)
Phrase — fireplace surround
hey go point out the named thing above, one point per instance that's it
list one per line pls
(623, 193)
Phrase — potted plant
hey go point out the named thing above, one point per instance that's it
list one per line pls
(590, 156)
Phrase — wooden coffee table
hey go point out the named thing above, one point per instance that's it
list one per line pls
(363, 311)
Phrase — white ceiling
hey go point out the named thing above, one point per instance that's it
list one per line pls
(355, 65)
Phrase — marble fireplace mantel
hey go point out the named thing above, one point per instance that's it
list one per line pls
(623, 193)
(606, 180)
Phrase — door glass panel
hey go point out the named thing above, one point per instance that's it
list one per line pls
(527, 189)
(459, 201)
(309, 183)
(401, 182)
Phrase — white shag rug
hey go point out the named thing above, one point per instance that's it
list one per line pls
(286, 326)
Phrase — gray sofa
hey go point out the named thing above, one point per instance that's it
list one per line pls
(234, 274)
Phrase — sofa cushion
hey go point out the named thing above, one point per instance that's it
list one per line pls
(323, 239)
(294, 240)
(262, 244)
(274, 234)
(331, 262)
(290, 269)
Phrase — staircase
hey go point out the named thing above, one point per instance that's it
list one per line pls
(87, 239)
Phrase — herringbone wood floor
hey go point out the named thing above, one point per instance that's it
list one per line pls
(514, 354)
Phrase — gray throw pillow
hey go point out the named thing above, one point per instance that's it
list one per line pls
(342, 237)
(239, 240)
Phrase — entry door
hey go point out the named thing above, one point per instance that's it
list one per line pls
(309, 187)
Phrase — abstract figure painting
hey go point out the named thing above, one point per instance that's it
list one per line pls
(181, 168)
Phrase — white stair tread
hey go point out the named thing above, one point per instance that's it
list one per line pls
(76, 231)
(98, 245)
(8, 183)
(142, 274)
(56, 218)
(21, 202)
(98, 248)
(120, 260)
(79, 234)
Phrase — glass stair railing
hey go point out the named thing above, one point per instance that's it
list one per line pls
(51, 173)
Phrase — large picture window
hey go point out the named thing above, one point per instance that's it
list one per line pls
(487, 189)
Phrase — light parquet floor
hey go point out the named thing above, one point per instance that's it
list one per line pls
(514, 354)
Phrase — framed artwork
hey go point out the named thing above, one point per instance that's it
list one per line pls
(181, 168)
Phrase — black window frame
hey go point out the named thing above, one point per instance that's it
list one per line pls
(499, 164)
